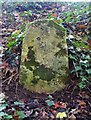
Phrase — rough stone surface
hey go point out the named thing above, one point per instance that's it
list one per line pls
(44, 59)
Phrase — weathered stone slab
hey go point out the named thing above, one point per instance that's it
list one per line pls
(44, 59)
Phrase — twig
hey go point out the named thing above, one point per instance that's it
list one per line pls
(89, 89)
(16, 89)
(5, 80)
(11, 78)
(89, 103)
(75, 69)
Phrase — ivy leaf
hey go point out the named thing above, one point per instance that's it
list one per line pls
(21, 114)
(78, 68)
(73, 71)
(72, 57)
(83, 78)
(3, 101)
(89, 71)
(2, 114)
(87, 57)
(3, 106)
(18, 103)
(85, 64)
(50, 103)
(82, 85)
(7, 117)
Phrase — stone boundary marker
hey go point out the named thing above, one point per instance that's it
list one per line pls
(44, 59)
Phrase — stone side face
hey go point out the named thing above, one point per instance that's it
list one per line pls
(44, 59)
